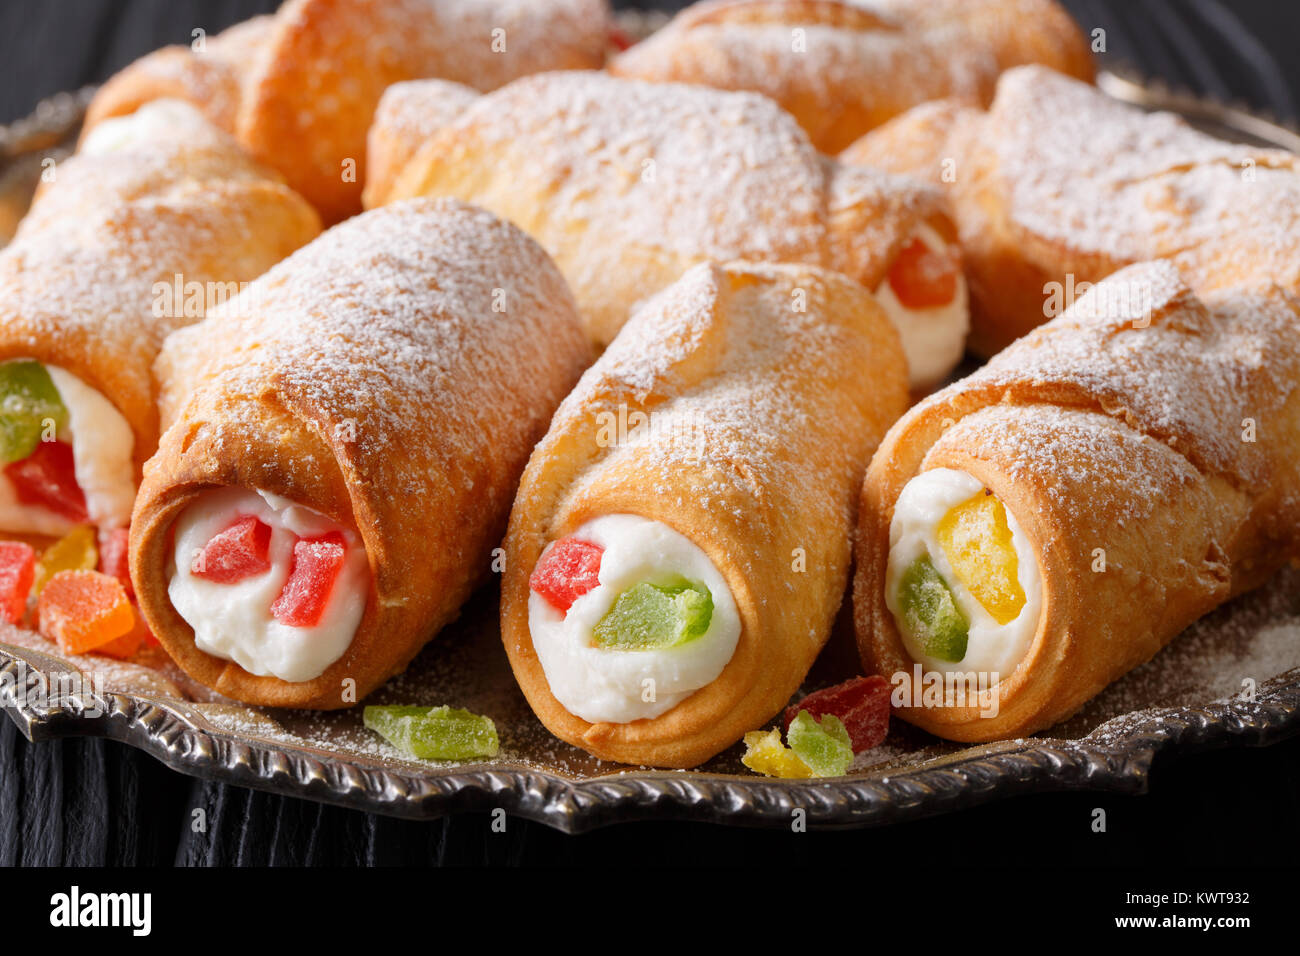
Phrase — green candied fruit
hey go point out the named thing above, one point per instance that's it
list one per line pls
(28, 399)
(930, 612)
(825, 747)
(651, 616)
(437, 733)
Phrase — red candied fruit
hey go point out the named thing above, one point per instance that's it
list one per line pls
(47, 478)
(922, 278)
(861, 703)
(113, 552)
(566, 572)
(238, 551)
(17, 570)
(312, 575)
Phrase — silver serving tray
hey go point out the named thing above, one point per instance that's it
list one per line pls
(1233, 679)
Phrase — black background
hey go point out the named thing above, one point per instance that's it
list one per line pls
(97, 802)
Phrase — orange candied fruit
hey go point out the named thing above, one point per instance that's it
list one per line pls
(84, 610)
(129, 644)
(922, 278)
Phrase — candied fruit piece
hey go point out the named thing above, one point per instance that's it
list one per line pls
(861, 703)
(84, 610)
(930, 613)
(922, 278)
(47, 478)
(437, 733)
(648, 616)
(238, 551)
(977, 541)
(28, 400)
(75, 551)
(823, 745)
(569, 569)
(114, 551)
(765, 754)
(17, 571)
(129, 644)
(312, 574)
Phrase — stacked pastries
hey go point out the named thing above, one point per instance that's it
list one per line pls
(842, 67)
(160, 215)
(299, 88)
(1045, 204)
(629, 184)
(379, 402)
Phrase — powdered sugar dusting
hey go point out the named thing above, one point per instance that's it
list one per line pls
(628, 184)
(852, 65)
(379, 304)
(667, 166)
(1225, 655)
(1190, 374)
(79, 277)
(1104, 179)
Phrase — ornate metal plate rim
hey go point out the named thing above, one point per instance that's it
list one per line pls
(1115, 757)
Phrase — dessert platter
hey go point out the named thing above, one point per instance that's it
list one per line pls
(792, 412)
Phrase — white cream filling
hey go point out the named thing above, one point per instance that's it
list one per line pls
(234, 621)
(991, 648)
(153, 122)
(102, 443)
(606, 685)
(934, 339)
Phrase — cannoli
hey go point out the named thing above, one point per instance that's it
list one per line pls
(299, 88)
(341, 450)
(680, 542)
(159, 215)
(1034, 531)
(843, 68)
(1058, 185)
(629, 184)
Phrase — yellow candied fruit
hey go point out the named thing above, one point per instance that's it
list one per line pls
(765, 754)
(977, 541)
(75, 551)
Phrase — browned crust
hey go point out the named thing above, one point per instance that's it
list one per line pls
(429, 504)
(1195, 206)
(1186, 518)
(868, 65)
(77, 284)
(407, 114)
(748, 508)
(299, 88)
(515, 151)
(211, 81)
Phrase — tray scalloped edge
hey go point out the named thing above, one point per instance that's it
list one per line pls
(1116, 757)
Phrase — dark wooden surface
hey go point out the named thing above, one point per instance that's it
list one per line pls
(97, 802)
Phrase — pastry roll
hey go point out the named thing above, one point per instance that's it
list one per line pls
(1058, 185)
(341, 450)
(1032, 532)
(843, 68)
(159, 216)
(629, 184)
(680, 542)
(299, 88)
(408, 114)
